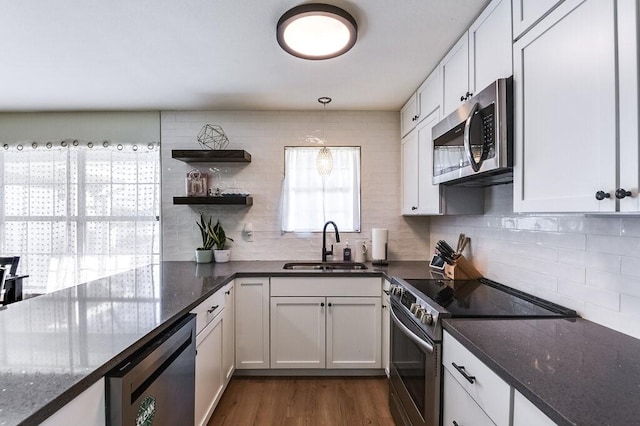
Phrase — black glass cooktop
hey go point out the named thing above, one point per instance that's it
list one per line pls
(486, 298)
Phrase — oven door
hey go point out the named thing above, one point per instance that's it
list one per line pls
(414, 391)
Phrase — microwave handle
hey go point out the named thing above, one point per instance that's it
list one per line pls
(466, 138)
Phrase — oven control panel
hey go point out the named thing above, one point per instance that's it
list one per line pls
(418, 308)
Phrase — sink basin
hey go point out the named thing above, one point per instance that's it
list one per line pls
(325, 266)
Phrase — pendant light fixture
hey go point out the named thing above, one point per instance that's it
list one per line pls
(324, 160)
(316, 31)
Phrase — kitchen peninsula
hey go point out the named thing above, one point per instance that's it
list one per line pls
(56, 346)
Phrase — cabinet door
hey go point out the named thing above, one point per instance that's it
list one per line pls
(527, 414)
(429, 95)
(629, 162)
(490, 46)
(409, 115)
(209, 373)
(410, 162)
(454, 70)
(458, 408)
(252, 323)
(354, 332)
(527, 13)
(386, 329)
(429, 201)
(228, 333)
(565, 100)
(298, 332)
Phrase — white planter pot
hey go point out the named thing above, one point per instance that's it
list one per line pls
(204, 256)
(222, 256)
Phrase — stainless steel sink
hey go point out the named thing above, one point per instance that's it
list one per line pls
(325, 266)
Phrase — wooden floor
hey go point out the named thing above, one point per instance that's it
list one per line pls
(304, 401)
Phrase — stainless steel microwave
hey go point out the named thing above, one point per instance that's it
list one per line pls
(473, 146)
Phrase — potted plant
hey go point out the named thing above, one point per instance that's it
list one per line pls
(204, 254)
(220, 238)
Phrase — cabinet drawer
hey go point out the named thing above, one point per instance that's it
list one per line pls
(459, 407)
(326, 286)
(489, 391)
(209, 309)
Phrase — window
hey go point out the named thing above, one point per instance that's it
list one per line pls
(75, 213)
(309, 200)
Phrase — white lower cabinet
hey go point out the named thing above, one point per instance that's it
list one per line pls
(386, 326)
(332, 323)
(209, 372)
(458, 408)
(214, 351)
(252, 323)
(479, 382)
(354, 332)
(89, 407)
(298, 332)
(527, 414)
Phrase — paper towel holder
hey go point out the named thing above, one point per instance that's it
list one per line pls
(379, 237)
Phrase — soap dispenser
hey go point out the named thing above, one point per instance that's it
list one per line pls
(346, 253)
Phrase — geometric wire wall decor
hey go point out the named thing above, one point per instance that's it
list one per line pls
(213, 137)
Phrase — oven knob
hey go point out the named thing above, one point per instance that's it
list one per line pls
(397, 290)
(415, 308)
(427, 318)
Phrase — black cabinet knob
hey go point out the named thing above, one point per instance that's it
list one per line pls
(601, 195)
(330, 305)
(621, 193)
(414, 208)
(322, 304)
(462, 98)
(468, 95)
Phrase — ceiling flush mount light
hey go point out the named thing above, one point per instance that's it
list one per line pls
(324, 160)
(316, 31)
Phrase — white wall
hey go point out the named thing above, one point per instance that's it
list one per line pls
(588, 263)
(264, 134)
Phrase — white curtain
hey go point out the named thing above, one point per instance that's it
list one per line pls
(77, 210)
(309, 200)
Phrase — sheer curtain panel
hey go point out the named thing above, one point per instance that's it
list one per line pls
(309, 199)
(77, 210)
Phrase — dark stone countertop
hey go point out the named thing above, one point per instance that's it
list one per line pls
(576, 372)
(54, 346)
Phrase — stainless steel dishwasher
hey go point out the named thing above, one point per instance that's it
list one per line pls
(156, 385)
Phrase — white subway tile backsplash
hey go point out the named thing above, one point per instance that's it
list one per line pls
(265, 134)
(590, 264)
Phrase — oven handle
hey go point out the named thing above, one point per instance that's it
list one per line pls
(418, 341)
(467, 139)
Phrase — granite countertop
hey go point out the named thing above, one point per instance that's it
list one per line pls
(575, 371)
(54, 346)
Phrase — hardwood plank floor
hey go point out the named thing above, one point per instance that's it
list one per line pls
(304, 402)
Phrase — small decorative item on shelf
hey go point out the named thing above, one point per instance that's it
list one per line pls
(204, 254)
(220, 238)
(212, 137)
(196, 183)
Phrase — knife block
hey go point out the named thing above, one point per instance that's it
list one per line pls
(461, 270)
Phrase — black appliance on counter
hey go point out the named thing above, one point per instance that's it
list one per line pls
(417, 309)
(156, 385)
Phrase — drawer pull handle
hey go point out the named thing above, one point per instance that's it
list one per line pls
(461, 370)
(213, 308)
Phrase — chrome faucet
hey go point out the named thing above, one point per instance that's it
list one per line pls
(326, 252)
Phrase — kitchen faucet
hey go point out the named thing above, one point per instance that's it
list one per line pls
(326, 252)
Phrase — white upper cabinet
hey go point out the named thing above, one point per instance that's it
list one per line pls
(527, 13)
(454, 69)
(568, 89)
(419, 195)
(422, 103)
(490, 46)
(482, 55)
(409, 115)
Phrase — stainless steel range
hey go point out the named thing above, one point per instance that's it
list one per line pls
(417, 309)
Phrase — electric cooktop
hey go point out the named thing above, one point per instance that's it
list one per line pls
(485, 298)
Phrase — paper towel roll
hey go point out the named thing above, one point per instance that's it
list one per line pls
(379, 237)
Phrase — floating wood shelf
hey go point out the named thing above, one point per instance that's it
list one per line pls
(238, 200)
(211, 155)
